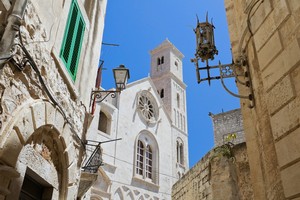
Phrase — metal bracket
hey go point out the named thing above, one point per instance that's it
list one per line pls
(97, 96)
(229, 71)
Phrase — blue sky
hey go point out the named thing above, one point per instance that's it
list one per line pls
(138, 26)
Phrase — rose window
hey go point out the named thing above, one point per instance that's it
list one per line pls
(147, 106)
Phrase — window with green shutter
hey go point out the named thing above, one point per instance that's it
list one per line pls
(72, 42)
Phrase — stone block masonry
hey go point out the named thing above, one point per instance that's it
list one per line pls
(217, 178)
(271, 44)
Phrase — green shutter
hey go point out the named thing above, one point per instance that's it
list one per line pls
(72, 42)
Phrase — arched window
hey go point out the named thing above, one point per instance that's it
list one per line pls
(162, 60)
(180, 151)
(146, 158)
(158, 61)
(162, 93)
(104, 123)
(181, 154)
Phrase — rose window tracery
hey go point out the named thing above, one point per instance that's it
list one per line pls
(147, 106)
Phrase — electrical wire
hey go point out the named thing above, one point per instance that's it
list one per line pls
(131, 164)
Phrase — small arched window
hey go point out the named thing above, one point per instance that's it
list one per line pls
(181, 154)
(162, 93)
(162, 60)
(180, 151)
(158, 61)
(103, 123)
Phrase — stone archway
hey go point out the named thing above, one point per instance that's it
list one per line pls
(38, 139)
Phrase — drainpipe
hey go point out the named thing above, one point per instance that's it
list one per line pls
(11, 30)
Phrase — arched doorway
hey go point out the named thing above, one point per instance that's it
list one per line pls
(38, 148)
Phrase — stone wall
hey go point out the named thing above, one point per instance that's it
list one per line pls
(268, 33)
(227, 123)
(217, 177)
(41, 132)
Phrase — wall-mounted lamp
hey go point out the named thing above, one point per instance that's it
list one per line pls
(121, 76)
(206, 50)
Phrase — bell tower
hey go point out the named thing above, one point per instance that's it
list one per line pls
(166, 73)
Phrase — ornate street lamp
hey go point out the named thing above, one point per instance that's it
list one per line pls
(206, 50)
(205, 41)
(121, 76)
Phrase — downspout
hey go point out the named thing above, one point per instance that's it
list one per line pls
(11, 30)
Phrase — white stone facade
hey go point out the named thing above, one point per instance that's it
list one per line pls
(41, 130)
(153, 152)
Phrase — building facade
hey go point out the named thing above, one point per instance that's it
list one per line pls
(48, 53)
(267, 33)
(149, 117)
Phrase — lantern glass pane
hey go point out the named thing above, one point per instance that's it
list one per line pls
(121, 77)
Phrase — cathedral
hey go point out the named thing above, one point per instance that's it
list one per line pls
(145, 127)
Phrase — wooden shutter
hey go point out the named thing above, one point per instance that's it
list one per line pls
(72, 42)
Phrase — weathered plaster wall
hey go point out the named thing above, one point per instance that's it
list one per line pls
(268, 32)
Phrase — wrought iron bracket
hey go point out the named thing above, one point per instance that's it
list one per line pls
(237, 70)
(97, 96)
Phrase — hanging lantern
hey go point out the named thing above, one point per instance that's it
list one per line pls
(205, 42)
